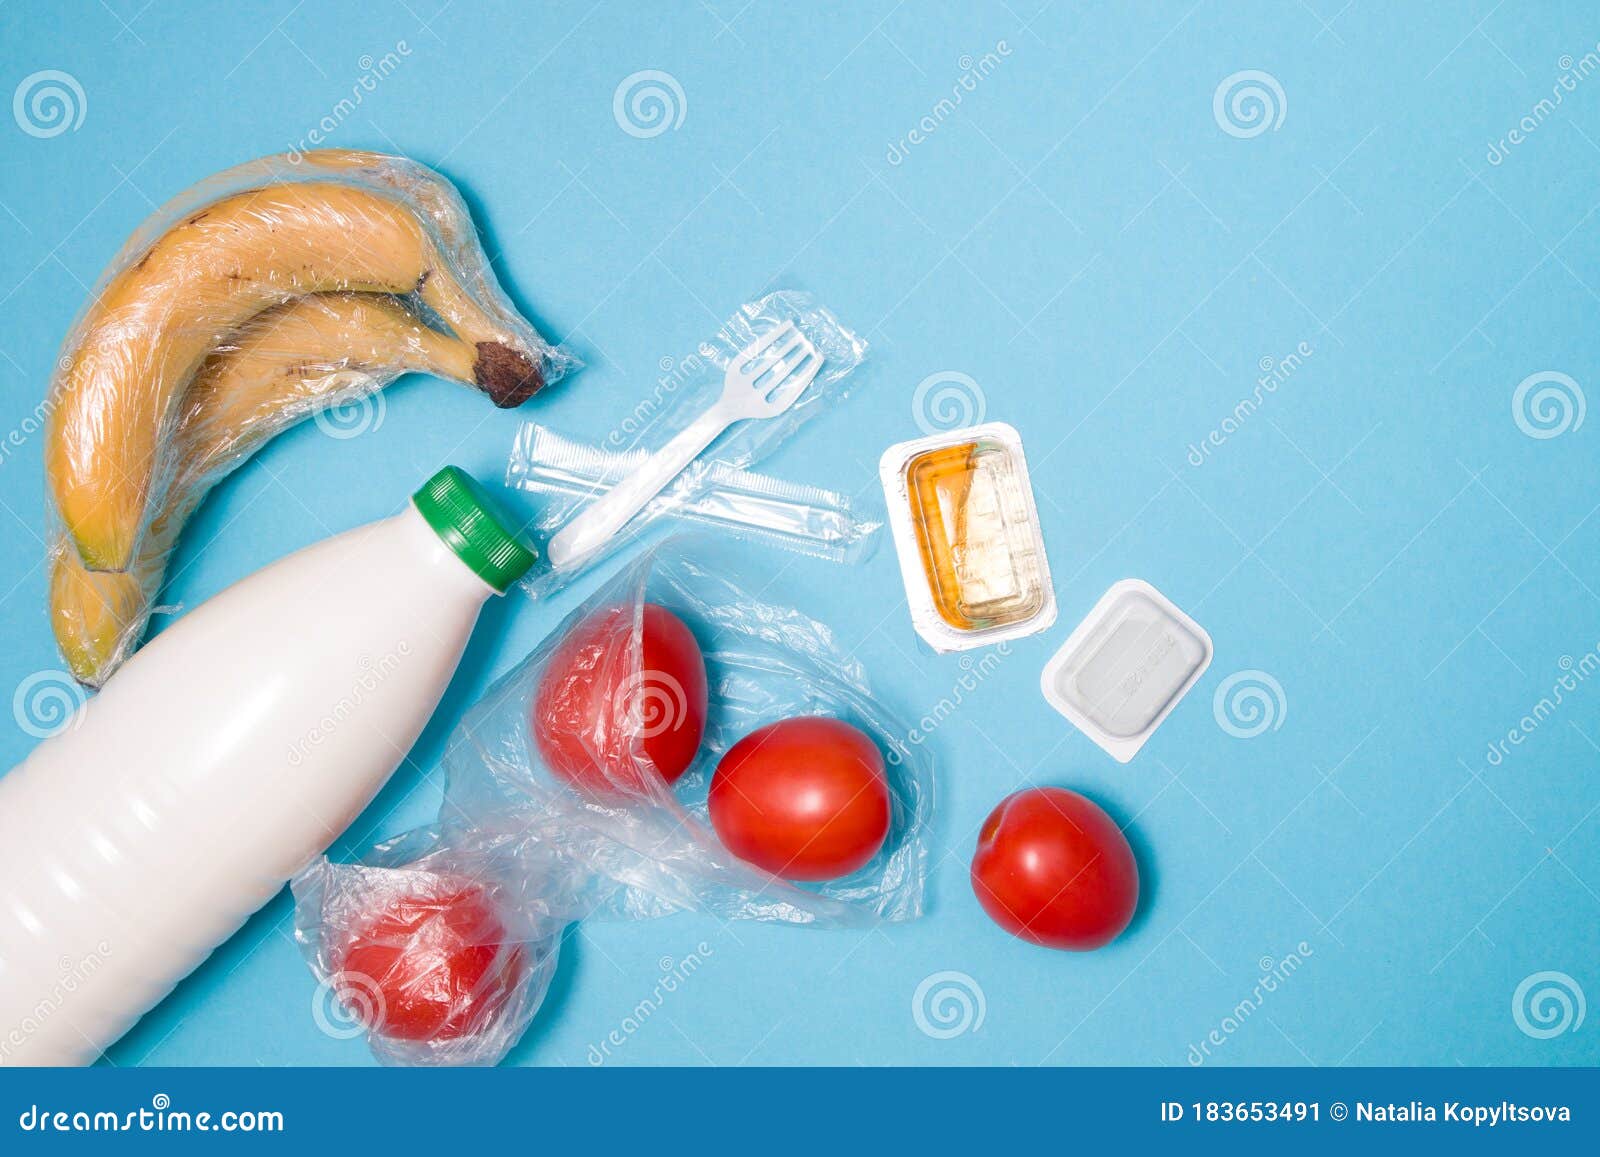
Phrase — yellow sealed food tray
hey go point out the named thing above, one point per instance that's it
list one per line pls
(967, 532)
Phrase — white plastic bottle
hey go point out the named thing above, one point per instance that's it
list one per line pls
(222, 758)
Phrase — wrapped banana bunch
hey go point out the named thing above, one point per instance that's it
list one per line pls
(269, 292)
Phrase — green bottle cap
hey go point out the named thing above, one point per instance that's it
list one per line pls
(465, 517)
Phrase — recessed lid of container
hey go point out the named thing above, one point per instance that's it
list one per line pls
(1126, 666)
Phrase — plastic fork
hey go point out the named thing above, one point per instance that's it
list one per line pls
(763, 381)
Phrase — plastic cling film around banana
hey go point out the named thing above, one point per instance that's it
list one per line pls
(578, 786)
(692, 386)
(284, 287)
(794, 516)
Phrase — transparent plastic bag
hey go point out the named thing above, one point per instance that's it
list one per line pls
(650, 838)
(274, 290)
(558, 794)
(436, 965)
(794, 516)
(693, 387)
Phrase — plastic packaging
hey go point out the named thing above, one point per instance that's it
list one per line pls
(793, 516)
(425, 952)
(1124, 668)
(277, 289)
(222, 758)
(553, 850)
(695, 385)
(965, 527)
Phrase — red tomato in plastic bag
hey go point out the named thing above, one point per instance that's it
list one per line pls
(1054, 869)
(805, 798)
(430, 967)
(604, 707)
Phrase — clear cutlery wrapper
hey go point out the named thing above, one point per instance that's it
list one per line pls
(794, 516)
(686, 388)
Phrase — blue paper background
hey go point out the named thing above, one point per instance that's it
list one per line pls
(1085, 240)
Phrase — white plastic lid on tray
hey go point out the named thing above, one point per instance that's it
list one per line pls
(1124, 668)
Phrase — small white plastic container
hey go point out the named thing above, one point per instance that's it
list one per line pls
(222, 758)
(967, 534)
(1126, 666)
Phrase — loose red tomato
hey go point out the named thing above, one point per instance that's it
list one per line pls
(1054, 869)
(431, 966)
(611, 704)
(804, 798)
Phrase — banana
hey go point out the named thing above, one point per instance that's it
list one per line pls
(140, 343)
(285, 364)
(287, 361)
